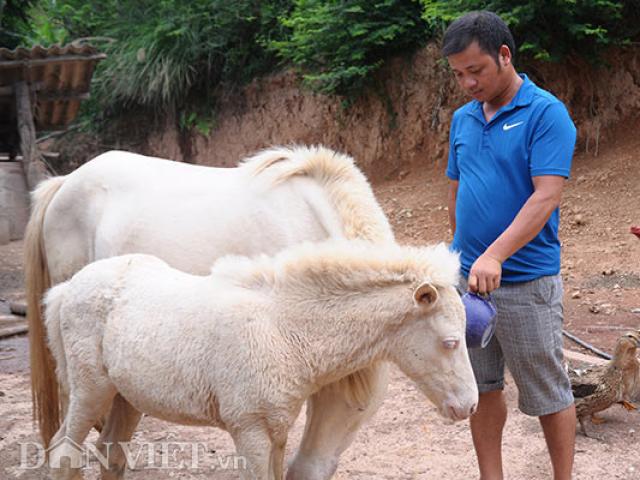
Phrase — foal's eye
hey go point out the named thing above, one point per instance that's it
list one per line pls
(450, 343)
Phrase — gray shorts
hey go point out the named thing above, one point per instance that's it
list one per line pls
(528, 339)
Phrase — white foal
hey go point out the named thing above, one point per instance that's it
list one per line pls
(244, 347)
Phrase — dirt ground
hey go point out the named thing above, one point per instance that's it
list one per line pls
(406, 439)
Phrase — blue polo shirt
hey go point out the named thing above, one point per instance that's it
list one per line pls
(494, 163)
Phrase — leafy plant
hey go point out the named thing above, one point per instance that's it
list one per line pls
(203, 123)
(339, 44)
(553, 29)
(169, 55)
(14, 22)
(161, 51)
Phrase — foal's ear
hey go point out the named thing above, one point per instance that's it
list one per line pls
(426, 295)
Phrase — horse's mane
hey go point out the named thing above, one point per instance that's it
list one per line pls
(347, 188)
(341, 265)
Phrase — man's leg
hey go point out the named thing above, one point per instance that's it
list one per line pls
(486, 430)
(532, 346)
(560, 433)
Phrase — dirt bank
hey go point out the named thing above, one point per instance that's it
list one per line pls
(402, 126)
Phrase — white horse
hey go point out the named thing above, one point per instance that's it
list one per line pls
(242, 348)
(189, 215)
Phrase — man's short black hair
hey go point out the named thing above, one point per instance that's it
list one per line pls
(484, 27)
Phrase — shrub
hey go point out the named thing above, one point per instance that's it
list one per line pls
(551, 29)
(160, 51)
(14, 22)
(339, 44)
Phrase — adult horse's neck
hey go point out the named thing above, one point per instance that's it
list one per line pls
(345, 185)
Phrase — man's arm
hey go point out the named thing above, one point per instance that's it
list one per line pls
(485, 273)
(451, 204)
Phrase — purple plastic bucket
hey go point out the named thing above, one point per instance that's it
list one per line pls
(481, 319)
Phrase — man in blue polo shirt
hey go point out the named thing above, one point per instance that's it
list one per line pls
(509, 155)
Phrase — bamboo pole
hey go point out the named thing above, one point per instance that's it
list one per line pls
(34, 168)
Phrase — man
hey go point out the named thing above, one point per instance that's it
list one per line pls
(510, 153)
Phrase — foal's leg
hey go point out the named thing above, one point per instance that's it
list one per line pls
(119, 427)
(66, 452)
(256, 448)
(56, 456)
(333, 419)
(277, 459)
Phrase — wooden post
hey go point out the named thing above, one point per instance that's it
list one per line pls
(34, 168)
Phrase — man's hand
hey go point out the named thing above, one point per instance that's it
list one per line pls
(485, 274)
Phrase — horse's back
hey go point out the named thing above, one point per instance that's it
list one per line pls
(103, 279)
(129, 174)
(138, 303)
(188, 215)
(118, 289)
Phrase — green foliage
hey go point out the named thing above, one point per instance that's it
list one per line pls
(552, 29)
(45, 30)
(339, 44)
(14, 22)
(202, 122)
(162, 51)
(175, 55)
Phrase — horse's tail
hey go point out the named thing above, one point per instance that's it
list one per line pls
(348, 189)
(44, 385)
(52, 303)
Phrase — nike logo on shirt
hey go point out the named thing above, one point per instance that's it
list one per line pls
(506, 127)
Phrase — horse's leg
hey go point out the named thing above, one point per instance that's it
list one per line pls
(66, 453)
(256, 448)
(277, 459)
(57, 468)
(334, 415)
(119, 427)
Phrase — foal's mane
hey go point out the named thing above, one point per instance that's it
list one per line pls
(347, 188)
(342, 266)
